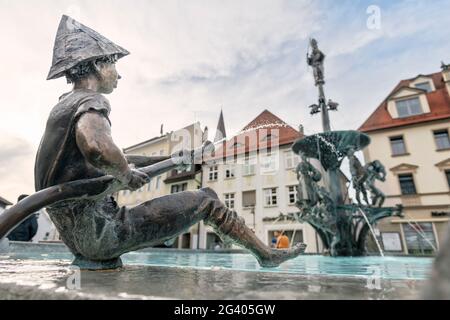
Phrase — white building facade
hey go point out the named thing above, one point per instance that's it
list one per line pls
(410, 133)
(257, 179)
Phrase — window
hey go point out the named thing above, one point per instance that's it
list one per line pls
(447, 174)
(213, 242)
(424, 86)
(248, 199)
(408, 107)
(229, 171)
(398, 146)
(269, 163)
(178, 188)
(213, 173)
(186, 241)
(407, 184)
(419, 238)
(292, 194)
(249, 166)
(158, 183)
(292, 160)
(442, 139)
(270, 197)
(229, 200)
(185, 168)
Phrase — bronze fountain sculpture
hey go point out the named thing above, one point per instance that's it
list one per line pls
(341, 225)
(78, 168)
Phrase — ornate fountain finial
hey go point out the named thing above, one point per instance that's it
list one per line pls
(315, 59)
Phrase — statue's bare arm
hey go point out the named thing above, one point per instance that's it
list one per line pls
(93, 137)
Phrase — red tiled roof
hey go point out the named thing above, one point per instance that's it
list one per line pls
(252, 137)
(438, 100)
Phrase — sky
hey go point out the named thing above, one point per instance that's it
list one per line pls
(191, 58)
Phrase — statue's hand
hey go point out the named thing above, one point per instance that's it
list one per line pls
(135, 179)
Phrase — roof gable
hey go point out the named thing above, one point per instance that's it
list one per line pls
(421, 76)
(266, 120)
(264, 132)
(438, 101)
(405, 92)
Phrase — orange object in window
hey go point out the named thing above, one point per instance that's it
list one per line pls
(283, 242)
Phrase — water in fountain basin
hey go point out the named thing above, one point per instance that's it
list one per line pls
(400, 268)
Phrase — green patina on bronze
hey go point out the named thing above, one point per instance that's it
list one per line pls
(331, 147)
(340, 224)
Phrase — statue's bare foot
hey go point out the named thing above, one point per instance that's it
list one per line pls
(278, 256)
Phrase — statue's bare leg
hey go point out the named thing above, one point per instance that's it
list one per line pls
(164, 218)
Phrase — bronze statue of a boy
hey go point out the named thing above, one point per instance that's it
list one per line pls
(77, 145)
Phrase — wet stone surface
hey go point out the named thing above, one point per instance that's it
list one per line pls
(48, 279)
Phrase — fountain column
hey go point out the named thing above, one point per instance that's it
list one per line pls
(316, 60)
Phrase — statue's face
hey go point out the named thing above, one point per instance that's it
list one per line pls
(108, 77)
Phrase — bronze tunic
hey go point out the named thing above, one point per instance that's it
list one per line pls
(58, 158)
(85, 225)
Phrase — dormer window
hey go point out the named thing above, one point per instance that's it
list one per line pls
(408, 101)
(408, 107)
(423, 83)
(424, 86)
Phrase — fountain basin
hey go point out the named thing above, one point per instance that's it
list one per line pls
(167, 274)
(330, 147)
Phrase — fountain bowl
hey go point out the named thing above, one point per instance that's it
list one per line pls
(330, 147)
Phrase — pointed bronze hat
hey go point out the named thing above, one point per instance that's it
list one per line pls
(77, 43)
